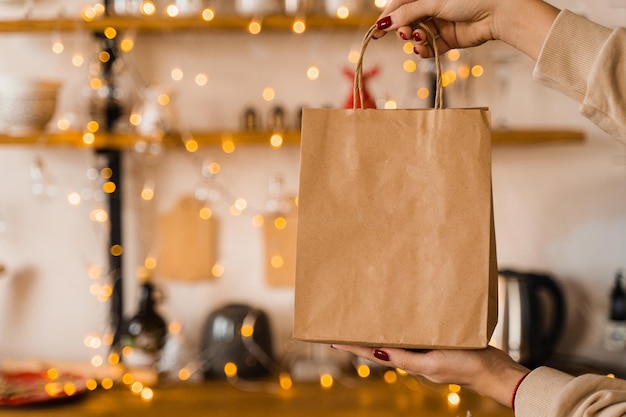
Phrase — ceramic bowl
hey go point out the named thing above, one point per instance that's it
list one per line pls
(26, 104)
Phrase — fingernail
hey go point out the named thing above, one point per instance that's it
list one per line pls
(415, 51)
(333, 347)
(417, 37)
(381, 354)
(384, 23)
(402, 35)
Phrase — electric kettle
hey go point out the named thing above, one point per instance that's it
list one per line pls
(531, 316)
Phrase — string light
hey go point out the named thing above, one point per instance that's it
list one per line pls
(148, 8)
(208, 14)
(276, 140)
(171, 10)
(298, 26)
(254, 27)
(110, 32)
(313, 73)
(269, 94)
(477, 70)
(326, 381)
(202, 79)
(343, 12)
(409, 66)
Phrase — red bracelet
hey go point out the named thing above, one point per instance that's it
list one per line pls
(515, 390)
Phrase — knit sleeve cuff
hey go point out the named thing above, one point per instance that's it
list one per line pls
(538, 390)
(565, 65)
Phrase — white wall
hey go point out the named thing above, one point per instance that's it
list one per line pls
(559, 208)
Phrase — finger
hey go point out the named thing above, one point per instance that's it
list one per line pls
(403, 12)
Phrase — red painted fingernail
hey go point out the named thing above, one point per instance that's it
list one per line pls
(381, 354)
(383, 23)
(415, 50)
(417, 37)
(402, 35)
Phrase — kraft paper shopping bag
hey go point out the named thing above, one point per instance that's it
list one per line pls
(395, 240)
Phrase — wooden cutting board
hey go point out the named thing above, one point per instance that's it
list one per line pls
(187, 242)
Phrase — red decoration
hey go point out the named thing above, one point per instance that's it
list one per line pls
(370, 103)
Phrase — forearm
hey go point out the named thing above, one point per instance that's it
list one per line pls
(499, 380)
(524, 24)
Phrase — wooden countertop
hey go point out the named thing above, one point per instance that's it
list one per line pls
(362, 398)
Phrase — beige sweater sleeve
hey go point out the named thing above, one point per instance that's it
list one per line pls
(587, 62)
(546, 392)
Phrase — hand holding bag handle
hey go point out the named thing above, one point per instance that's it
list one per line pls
(358, 90)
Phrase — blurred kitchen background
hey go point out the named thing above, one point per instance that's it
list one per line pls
(560, 206)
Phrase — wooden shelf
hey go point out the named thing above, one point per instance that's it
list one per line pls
(127, 141)
(193, 23)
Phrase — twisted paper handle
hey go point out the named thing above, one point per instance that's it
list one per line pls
(358, 90)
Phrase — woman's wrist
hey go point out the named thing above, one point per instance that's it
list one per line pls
(524, 24)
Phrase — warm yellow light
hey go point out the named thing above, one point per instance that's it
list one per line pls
(52, 373)
(277, 261)
(174, 327)
(454, 388)
(463, 71)
(128, 378)
(89, 138)
(268, 94)
(177, 74)
(127, 351)
(127, 45)
(150, 262)
(163, 99)
(276, 141)
(230, 369)
(353, 56)
(258, 220)
(380, 3)
(205, 213)
(409, 66)
(109, 187)
(104, 56)
(401, 372)
(106, 383)
(214, 168)
(57, 47)
(110, 32)
(53, 389)
(454, 399)
(147, 194)
(148, 8)
(391, 104)
(136, 387)
(228, 146)
(423, 93)
(313, 73)
(93, 126)
(135, 119)
(454, 55)
(363, 370)
(114, 358)
(88, 14)
(285, 381)
(241, 204)
(69, 389)
(298, 26)
(95, 83)
(94, 271)
(390, 377)
(280, 223)
(99, 215)
(343, 12)
(116, 250)
(91, 384)
(208, 14)
(326, 381)
(63, 124)
(254, 27)
(97, 361)
(247, 330)
(202, 79)
(407, 48)
(477, 70)
(74, 199)
(107, 339)
(94, 289)
(217, 270)
(191, 145)
(106, 172)
(610, 375)
(172, 10)
(78, 60)
(147, 394)
(184, 374)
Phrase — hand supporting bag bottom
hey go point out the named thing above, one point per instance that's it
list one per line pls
(395, 243)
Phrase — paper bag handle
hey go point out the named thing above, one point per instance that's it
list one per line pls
(358, 72)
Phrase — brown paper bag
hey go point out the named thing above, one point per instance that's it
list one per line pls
(395, 243)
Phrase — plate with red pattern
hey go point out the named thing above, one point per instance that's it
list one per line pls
(18, 388)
